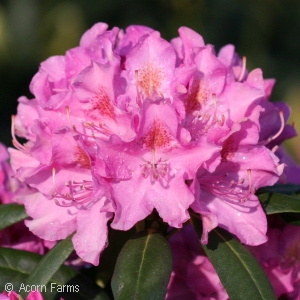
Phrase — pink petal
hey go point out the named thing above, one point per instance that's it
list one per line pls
(89, 244)
(154, 60)
(191, 40)
(89, 37)
(35, 296)
(50, 221)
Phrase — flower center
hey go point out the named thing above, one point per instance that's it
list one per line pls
(101, 106)
(157, 137)
(203, 119)
(228, 190)
(197, 97)
(156, 168)
(78, 192)
(229, 148)
(82, 158)
(149, 79)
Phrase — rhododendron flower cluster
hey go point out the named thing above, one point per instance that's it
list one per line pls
(127, 123)
(280, 258)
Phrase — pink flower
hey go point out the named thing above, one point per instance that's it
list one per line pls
(226, 103)
(127, 122)
(231, 187)
(156, 164)
(193, 276)
(14, 296)
(280, 258)
(18, 235)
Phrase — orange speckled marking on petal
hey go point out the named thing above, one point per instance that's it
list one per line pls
(82, 158)
(229, 149)
(197, 97)
(158, 136)
(150, 78)
(101, 105)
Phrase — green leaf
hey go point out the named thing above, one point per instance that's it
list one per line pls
(279, 203)
(287, 189)
(51, 262)
(11, 214)
(238, 270)
(143, 268)
(16, 266)
(116, 241)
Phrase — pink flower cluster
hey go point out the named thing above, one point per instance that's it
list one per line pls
(127, 122)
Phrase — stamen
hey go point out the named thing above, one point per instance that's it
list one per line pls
(281, 127)
(229, 191)
(62, 204)
(138, 99)
(68, 116)
(215, 108)
(222, 121)
(157, 168)
(101, 128)
(79, 192)
(15, 142)
(275, 148)
(243, 69)
(53, 177)
(279, 131)
(204, 119)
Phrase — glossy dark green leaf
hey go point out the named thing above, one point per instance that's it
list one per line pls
(51, 262)
(238, 270)
(11, 214)
(143, 268)
(287, 189)
(16, 266)
(279, 203)
(116, 241)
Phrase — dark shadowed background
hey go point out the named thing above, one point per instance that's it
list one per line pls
(266, 32)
